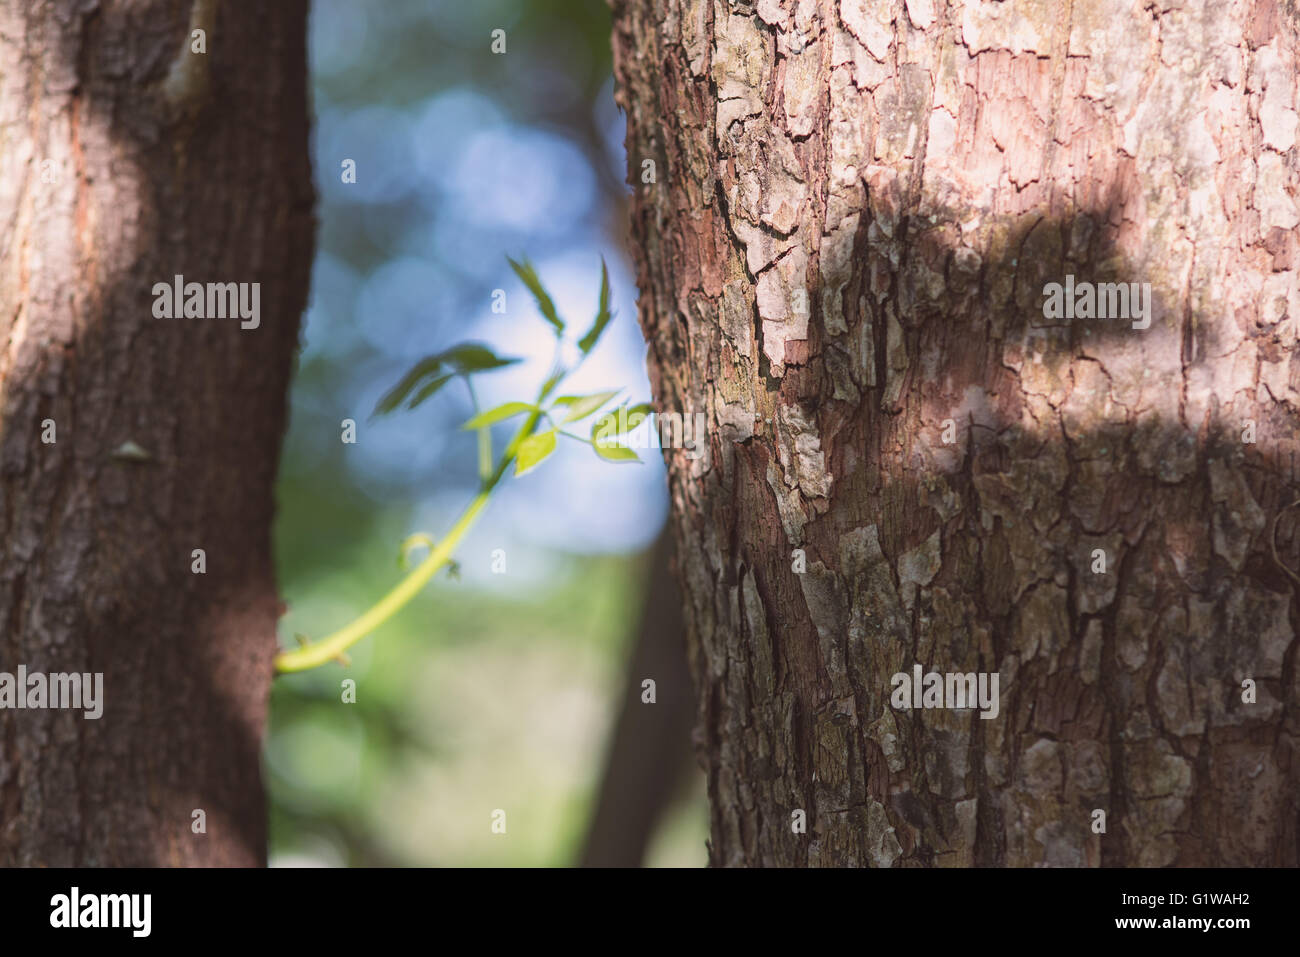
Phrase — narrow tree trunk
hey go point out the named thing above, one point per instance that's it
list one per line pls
(649, 752)
(845, 216)
(127, 159)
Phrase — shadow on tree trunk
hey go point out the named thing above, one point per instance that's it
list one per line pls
(914, 464)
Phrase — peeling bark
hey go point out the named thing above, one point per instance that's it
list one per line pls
(916, 172)
(125, 160)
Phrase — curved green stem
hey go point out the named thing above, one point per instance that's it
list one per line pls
(484, 438)
(331, 647)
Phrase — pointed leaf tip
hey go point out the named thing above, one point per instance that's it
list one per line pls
(581, 406)
(603, 313)
(528, 276)
(615, 453)
(499, 414)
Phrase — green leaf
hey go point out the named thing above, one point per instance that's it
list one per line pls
(619, 421)
(603, 313)
(474, 357)
(615, 453)
(429, 390)
(533, 451)
(499, 414)
(528, 275)
(581, 406)
(433, 372)
(422, 370)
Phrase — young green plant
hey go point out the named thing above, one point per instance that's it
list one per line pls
(544, 419)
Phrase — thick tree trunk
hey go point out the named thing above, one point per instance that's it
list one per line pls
(127, 159)
(919, 171)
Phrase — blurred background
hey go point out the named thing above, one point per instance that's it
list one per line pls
(491, 690)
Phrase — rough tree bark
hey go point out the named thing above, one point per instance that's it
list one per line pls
(919, 169)
(126, 158)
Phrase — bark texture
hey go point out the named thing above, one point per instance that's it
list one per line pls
(126, 159)
(854, 209)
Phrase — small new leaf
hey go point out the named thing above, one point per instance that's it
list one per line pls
(499, 414)
(603, 313)
(422, 370)
(581, 406)
(528, 275)
(474, 357)
(429, 390)
(615, 453)
(433, 372)
(533, 451)
(619, 421)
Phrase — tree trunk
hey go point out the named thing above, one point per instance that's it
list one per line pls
(649, 752)
(1085, 508)
(126, 159)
